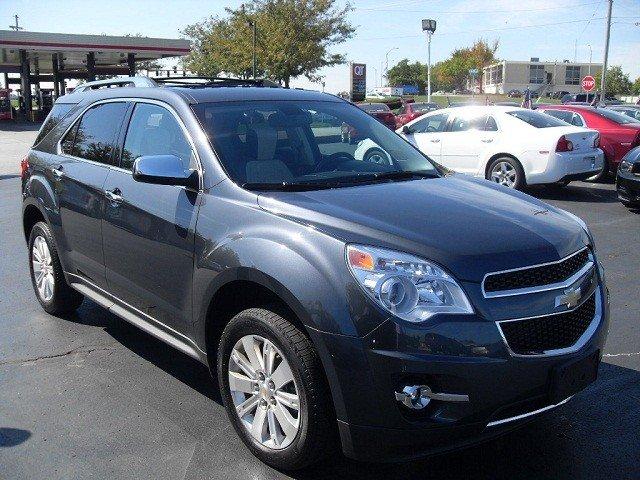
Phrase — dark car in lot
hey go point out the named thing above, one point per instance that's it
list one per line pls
(628, 179)
(632, 111)
(514, 93)
(618, 132)
(589, 98)
(335, 299)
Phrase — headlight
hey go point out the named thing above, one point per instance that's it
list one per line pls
(406, 286)
(624, 166)
(584, 226)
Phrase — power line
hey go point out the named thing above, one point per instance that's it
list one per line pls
(592, 17)
(486, 30)
(461, 12)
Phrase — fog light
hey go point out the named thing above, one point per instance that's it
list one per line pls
(417, 397)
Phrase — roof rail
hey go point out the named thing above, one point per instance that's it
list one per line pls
(202, 82)
(118, 82)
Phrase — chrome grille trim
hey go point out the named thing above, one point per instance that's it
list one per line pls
(540, 288)
(528, 414)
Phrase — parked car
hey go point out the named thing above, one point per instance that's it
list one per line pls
(514, 93)
(508, 145)
(411, 110)
(391, 308)
(588, 98)
(507, 104)
(629, 110)
(628, 179)
(380, 111)
(559, 94)
(618, 132)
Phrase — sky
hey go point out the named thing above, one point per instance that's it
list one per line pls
(548, 29)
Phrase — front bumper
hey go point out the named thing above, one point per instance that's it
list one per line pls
(628, 187)
(459, 357)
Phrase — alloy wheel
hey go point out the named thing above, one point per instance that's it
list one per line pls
(42, 268)
(264, 392)
(504, 173)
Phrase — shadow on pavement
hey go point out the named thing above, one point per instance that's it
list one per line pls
(10, 437)
(576, 193)
(19, 126)
(593, 436)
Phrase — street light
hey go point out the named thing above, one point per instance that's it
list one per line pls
(428, 26)
(386, 69)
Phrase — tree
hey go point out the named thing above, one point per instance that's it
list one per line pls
(294, 37)
(617, 82)
(405, 73)
(635, 88)
(454, 71)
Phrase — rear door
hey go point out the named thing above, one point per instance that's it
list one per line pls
(466, 141)
(426, 134)
(79, 169)
(149, 229)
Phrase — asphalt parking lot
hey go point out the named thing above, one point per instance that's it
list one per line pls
(89, 396)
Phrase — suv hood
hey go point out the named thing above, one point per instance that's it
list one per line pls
(469, 226)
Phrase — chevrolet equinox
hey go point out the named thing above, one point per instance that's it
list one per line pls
(383, 304)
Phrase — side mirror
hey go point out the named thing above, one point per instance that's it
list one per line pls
(164, 170)
(406, 130)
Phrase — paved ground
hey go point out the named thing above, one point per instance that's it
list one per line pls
(89, 396)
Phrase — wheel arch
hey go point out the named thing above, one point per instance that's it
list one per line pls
(31, 214)
(495, 156)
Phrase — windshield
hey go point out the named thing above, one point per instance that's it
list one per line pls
(291, 145)
(537, 119)
(374, 107)
(617, 117)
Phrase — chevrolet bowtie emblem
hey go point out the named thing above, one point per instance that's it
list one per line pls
(571, 297)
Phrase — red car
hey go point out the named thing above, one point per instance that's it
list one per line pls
(413, 110)
(6, 112)
(618, 132)
(381, 111)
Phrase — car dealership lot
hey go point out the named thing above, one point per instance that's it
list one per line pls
(90, 395)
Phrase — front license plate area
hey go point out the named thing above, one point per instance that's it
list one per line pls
(572, 377)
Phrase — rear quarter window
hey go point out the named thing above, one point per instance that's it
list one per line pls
(537, 119)
(57, 113)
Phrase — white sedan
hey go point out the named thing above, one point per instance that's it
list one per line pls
(508, 145)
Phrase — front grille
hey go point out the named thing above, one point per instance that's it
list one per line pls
(536, 276)
(534, 336)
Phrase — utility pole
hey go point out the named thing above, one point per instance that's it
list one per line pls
(252, 23)
(606, 52)
(590, 57)
(428, 26)
(16, 27)
(386, 68)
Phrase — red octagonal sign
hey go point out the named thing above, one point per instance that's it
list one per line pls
(588, 83)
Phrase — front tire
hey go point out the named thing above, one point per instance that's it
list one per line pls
(274, 390)
(506, 171)
(47, 277)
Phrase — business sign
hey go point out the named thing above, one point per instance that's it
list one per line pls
(358, 82)
(588, 83)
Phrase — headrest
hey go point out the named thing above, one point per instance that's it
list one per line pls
(264, 138)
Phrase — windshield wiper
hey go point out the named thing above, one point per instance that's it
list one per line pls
(281, 186)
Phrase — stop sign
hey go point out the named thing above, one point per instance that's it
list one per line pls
(588, 83)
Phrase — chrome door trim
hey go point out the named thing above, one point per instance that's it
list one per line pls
(528, 414)
(539, 288)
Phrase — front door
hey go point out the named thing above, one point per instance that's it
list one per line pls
(466, 141)
(79, 170)
(426, 134)
(149, 229)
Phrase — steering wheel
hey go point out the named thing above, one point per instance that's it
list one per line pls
(332, 161)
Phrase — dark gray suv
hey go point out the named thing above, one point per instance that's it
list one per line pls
(384, 305)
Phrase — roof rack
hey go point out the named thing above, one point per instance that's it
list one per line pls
(204, 82)
(116, 82)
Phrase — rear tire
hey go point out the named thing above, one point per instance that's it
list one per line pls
(47, 277)
(292, 438)
(506, 171)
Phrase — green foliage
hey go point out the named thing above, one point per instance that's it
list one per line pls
(453, 72)
(405, 73)
(635, 88)
(293, 39)
(617, 82)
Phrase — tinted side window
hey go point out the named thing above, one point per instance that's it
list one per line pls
(67, 141)
(462, 124)
(153, 130)
(97, 132)
(56, 114)
(490, 125)
(431, 124)
(577, 120)
(563, 115)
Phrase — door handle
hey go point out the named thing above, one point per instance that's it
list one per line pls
(487, 140)
(58, 172)
(435, 140)
(114, 196)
